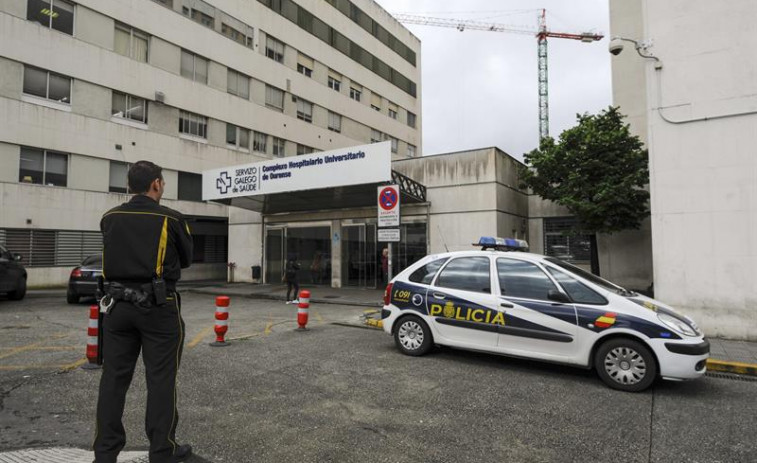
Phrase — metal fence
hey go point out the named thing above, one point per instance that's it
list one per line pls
(51, 248)
(561, 242)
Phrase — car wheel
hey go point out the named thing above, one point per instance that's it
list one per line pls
(412, 336)
(626, 365)
(72, 297)
(20, 290)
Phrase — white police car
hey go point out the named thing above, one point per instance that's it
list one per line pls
(538, 307)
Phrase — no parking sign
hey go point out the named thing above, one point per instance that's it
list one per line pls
(389, 206)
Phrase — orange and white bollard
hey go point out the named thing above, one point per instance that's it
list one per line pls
(222, 321)
(302, 310)
(92, 330)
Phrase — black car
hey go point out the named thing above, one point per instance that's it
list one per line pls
(12, 275)
(83, 279)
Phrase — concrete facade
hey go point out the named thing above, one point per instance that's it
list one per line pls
(699, 113)
(83, 127)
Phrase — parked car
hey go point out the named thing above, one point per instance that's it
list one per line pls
(12, 275)
(532, 306)
(83, 279)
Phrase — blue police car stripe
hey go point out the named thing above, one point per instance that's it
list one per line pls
(587, 317)
(409, 297)
(564, 312)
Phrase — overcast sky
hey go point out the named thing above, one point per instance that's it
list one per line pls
(479, 88)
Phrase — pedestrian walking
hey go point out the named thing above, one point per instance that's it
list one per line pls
(292, 267)
(145, 246)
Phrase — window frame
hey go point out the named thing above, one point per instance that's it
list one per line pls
(411, 150)
(304, 149)
(411, 117)
(133, 32)
(304, 70)
(335, 122)
(47, 85)
(201, 18)
(435, 281)
(116, 189)
(277, 143)
(267, 93)
(201, 121)
(257, 146)
(335, 84)
(237, 77)
(238, 131)
(355, 93)
(271, 52)
(552, 281)
(129, 98)
(51, 16)
(195, 57)
(45, 153)
(305, 110)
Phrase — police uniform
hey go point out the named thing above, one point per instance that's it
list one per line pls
(142, 243)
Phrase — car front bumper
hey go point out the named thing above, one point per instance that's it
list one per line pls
(684, 359)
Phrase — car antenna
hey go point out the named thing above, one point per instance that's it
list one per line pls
(446, 249)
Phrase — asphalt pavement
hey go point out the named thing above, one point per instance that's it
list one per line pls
(344, 393)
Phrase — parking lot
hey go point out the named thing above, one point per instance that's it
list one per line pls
(340, 393)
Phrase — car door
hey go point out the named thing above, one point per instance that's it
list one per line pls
(461, 304)
(535, 325)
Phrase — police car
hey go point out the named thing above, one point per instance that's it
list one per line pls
(537, 307)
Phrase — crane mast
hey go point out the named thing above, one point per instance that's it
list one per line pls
(541, 35)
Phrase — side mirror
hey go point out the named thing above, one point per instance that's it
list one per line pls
(557, 296)
(17, 257)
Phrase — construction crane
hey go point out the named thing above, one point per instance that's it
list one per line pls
(541, 35)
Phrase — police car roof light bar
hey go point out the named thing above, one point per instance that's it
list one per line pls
(501, 244)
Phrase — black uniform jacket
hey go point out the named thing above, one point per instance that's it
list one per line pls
(142, 240)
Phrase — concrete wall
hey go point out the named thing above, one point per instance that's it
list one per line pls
(703, 172)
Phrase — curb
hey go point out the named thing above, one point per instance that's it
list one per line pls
(739, 368)
(282, 298)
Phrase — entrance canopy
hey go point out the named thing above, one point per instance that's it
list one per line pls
(336, 179)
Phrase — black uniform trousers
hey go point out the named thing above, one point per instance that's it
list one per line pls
(159, 333)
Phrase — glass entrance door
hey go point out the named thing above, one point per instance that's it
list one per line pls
(359, 256)
(274, 255)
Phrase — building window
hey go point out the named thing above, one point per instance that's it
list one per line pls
(233, 34)
(131, 42)
(302, 149)
(238, 84)
(194, 67)
(279, 147)
(305, 65)
(335, 81)
(129, 107)
(274, 97)
(55, 14)
(200, 17)
(304, 110)
(392, 110)
(274, 49)
(168, 3)
(335, 122)
(193, 124)
(118, 177)
(46, 84)
(562, 243)
(355, 93)
(395, 142)
(375, 136)
(237, 137)
(43, 167)
(411, 150)
(190, 186)
(411, 119)
(259, 142)
(376, 101)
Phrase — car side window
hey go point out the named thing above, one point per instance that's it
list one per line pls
(523, 279)
(579, 292)
(425, 273)
(466, 273)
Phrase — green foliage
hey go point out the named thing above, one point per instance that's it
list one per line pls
(597, 169)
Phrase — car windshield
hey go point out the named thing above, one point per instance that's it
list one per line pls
(590, 276)
(92, 260)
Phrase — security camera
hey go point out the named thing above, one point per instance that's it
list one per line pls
(616, 46)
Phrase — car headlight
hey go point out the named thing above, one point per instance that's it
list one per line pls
(677, 325)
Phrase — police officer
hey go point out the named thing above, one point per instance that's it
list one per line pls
(145, 246)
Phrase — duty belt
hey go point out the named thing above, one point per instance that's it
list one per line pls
(142, 298)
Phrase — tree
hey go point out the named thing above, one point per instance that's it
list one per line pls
(598, 171)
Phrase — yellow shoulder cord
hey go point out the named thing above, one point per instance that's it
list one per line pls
(162, 248)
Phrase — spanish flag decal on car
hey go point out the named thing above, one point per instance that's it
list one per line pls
(606, 320)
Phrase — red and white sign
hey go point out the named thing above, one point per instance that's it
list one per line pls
(389, 206)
